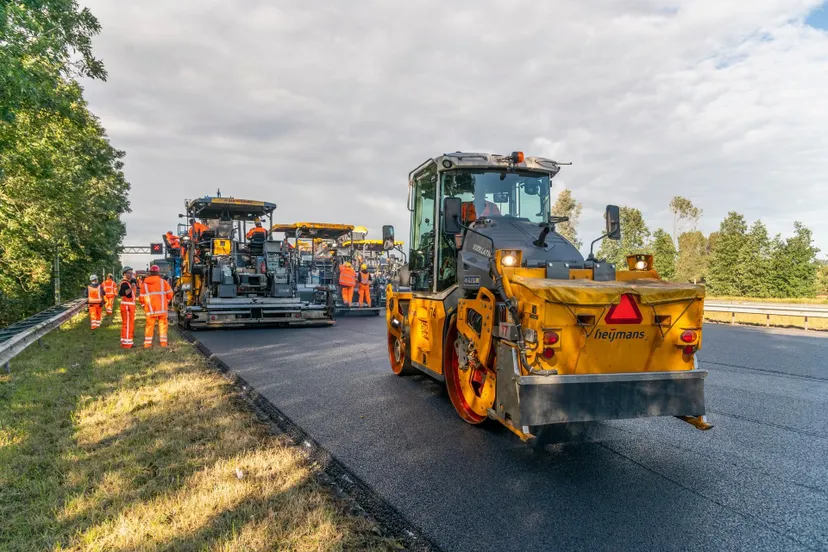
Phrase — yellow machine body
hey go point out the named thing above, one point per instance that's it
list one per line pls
(222, 247)
(527, 349)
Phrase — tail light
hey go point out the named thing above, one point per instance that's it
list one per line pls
(688, 336)
(689, 350)
(550, 339)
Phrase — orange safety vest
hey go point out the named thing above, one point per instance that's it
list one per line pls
(94, 295)
(129, 300)
(156, 293)
(109, 288)
(347, 276)
(197, 229)
(364, 278)
(255, 230)
(173, 240)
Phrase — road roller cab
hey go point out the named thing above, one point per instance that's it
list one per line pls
(520, 326)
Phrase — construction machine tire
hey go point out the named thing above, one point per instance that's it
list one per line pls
(398, 356)
(470, 405)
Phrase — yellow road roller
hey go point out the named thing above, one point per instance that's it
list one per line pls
(518, 324)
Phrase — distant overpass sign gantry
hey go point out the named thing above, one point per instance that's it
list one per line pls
(151, 249)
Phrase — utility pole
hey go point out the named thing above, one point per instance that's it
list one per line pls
(57, 276)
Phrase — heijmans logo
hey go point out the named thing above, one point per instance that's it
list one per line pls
(612, 335)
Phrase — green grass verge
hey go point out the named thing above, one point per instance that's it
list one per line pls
(109, 449)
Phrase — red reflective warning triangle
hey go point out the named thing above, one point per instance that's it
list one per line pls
(625, 312)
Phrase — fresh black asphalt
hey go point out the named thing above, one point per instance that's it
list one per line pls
(757, 481)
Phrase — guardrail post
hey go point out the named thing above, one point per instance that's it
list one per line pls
(767, 321)
(732, 317)
(8, 368)
(806, 322)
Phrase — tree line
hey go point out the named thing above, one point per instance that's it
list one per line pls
(740, 259)
(62, 189)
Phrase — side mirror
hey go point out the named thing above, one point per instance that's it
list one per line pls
(451, 215)
(613, 218)
(387, 237)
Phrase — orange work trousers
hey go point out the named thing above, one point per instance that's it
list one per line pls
(364, 294)
(127, 325)
(149, 330)
(347, 295)
(95, 315)
(109, 302)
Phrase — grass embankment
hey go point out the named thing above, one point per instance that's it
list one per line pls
(762, 320)
(109, 449)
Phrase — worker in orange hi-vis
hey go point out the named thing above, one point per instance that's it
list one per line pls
(364, 282)
(127, 291)
(347, 281)
(156, 294)
(94, 294)
(196, 229)
(257, 229)
(110, 288)
(173, 243)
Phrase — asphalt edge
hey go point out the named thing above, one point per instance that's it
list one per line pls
(330, 470)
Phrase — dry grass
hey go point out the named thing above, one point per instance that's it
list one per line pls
(106, 449)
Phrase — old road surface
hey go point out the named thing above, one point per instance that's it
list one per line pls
(757, 481)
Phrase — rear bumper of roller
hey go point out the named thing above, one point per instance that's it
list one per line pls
(543, 400)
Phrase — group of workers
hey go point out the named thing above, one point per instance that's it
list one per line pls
(349, 278)
(153, 293)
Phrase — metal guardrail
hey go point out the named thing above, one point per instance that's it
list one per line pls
(16, 338)
(767, 309)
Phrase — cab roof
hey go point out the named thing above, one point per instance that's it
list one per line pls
(228, 207)
(322, 230)
(472, 160)
(371, 245)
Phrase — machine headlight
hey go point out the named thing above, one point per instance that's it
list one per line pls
(186, 287)
(640, 262)
(510, 258)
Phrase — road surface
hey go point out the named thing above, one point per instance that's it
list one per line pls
(757, 481)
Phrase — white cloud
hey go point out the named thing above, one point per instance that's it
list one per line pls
(325, 110)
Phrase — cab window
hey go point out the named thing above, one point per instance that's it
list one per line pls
(421, 257)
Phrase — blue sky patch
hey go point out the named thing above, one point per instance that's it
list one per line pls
(818, 18)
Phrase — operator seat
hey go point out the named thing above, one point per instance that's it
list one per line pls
(256, 244)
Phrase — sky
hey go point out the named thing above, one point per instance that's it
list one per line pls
(324, 108)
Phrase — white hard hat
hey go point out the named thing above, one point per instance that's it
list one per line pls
(93, 278)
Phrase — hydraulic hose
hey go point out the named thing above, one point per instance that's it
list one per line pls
(504, 289)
